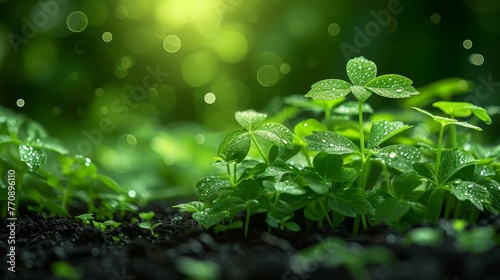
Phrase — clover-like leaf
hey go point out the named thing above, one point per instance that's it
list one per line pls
(329, 89)
(361, 93)
(382, 130)
(209, 186)
(248, 190)
(392, 86)
(327, 166)
(285, 186)
(331, 142)
(475, 193)
(399, 156)
(433, 200)
(447, 121)
(351, 108)
(425, 171)
(307, 127)
(249, 119)
(209, 217)
(361, 70)
(390, 210)
(452, 162)
(235, 146)
(277, 134)
(462, 109)
(350, 202)
(32, 157)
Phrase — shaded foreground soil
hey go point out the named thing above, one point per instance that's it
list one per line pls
(183, 250)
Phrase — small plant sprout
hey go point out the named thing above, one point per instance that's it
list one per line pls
(146, 222)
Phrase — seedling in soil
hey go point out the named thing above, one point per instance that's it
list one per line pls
(318, 168)
(146, 222)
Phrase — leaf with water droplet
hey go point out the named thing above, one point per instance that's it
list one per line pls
(473, 192)
(329, 89)
(425, 171)
(285, 186)
(361, 70)
(249, 119)
(50, 144)
(493, 188)
(391, 210)
(209, 217)
(191, 207)
(209, 186)
(433, 200)
(452, 162)
(399, 156)
(382, 130)
(462, 110)
(405, 183)
(235, 146)
(80, 170)
(392, 86)
(447, 121)
(331, 142)
(276, 133)
(361, 93)
(307, 127)
(351, 108)
(350, 202)
(32, 157)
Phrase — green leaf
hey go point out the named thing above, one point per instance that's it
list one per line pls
(191, 207)
(452, 162)
(399, 156)
(50, 144)
(249, 119)
(314, 212)
(307, 127)
(462, 109)
(493, 188)
(32, 157)
(331, 142)
(233, 225)
(208, 187)
(277, 134)
(248, 190)
(424, 171)
(147, 215)
(351, 108)
(361, 93)
(350, 202)
(209, 217)
(433, 200)
(317, 184)
(382, 130)
(327, 166)
(446, 121)
(405, 183)
(329, 89)
(235, 146)
(292, 226)
(361, 70)
(109, 182)
(286, 186)
(80, 170)
(390, 210)
(473, 192)
(392, 86)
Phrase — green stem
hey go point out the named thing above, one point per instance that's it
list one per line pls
(355, 228)
(326, 213)
(363, 221)
(235, 173)
(386, 175)
(361, 132)
(306, 154)
(228, 168)
(259, 149)
(439, 149)
(453, 134)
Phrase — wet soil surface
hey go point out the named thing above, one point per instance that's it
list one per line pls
(182, 250)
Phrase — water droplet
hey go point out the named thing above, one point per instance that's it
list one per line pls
(458, 181)
(393, 155)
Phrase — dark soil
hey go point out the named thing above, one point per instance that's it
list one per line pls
(42, 242)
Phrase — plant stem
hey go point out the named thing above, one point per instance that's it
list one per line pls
(247, 222)
(387, 179)
(326, 213)
(363, 221)
(355, 228)
(228, 168)
(259, 149)
(235, 173)
(439, 149)
(453, 135)
(361, 132)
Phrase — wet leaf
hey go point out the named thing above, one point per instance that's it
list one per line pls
(209, 186)
(209, 217)
(433, 200)
(390, 210)
(307, 127)
(475, 193)
(447, 121)
(361, 70)
(493, 188)
(399, 156)
(382, 130)
(191, 207)
(350, 202)
(277, 134)
(50, 144)
(424, 171)
(285, 186)
(392, 86)
(361, 93)
(249, 119)
(351, 108)
(235, 146)
(248, 190)
(329, 89)
(32, 157)
(331, 142)
(452, 162)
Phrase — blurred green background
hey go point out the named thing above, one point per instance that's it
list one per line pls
(148, 88)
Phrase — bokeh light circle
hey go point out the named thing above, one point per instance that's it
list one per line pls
(127, 142)
(77, 21)
(334, 29)
(107, 36)
(209, 98)
(172, 43)
(267, 75)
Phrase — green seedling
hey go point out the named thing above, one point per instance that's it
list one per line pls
(146, 222)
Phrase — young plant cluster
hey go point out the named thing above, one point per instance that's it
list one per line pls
(51, 179)
(336, 167)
